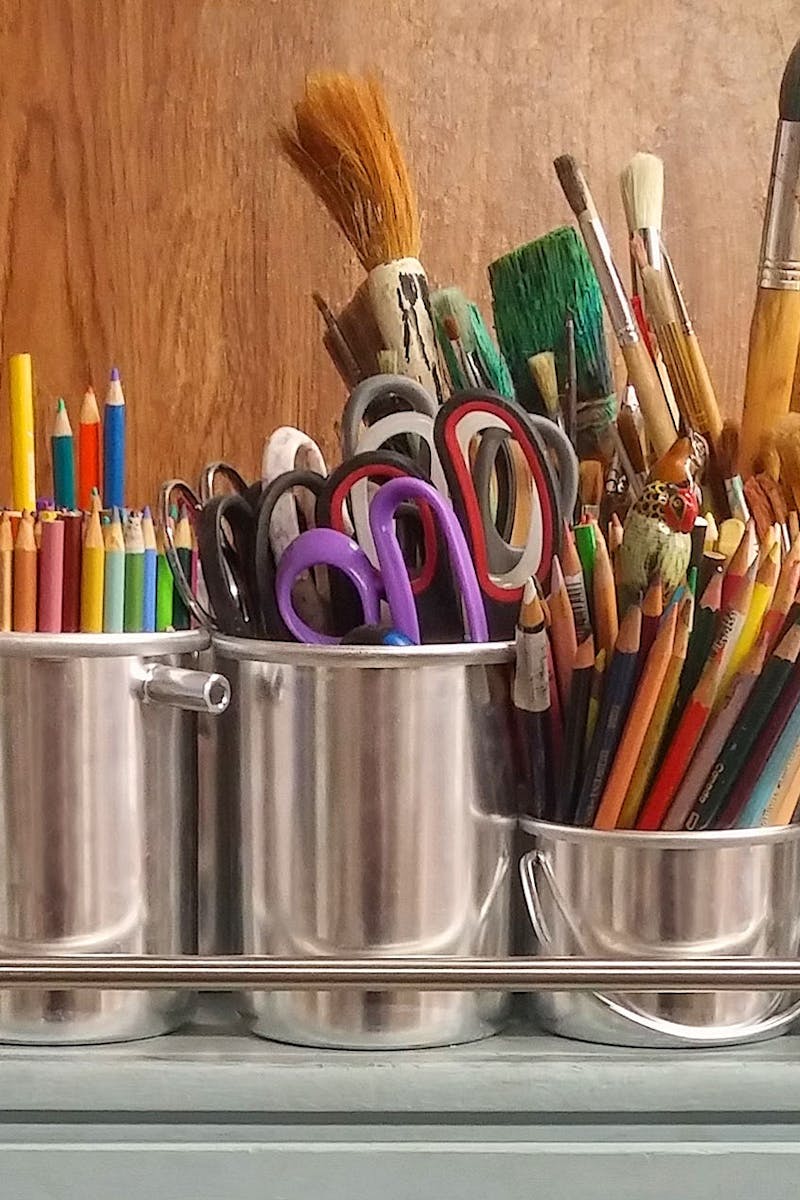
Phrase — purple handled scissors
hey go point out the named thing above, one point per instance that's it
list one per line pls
(390, 582)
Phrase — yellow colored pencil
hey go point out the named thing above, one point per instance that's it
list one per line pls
(6, 572)
(763, 592)
(23, 451)
(656, 730)
(92, 576)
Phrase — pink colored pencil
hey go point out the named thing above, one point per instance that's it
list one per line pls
(51, 577)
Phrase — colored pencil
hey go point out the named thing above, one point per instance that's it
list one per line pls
(165, 586)
(575, 584)
(93, 575)
(723, 775)
(636, 724)
(595, 698)
(713, 564)
(701, 639)
(6, 573)
(89, 476)
(71, 604)
(604, 598)
(25, 577)
(531, 695)
(657, 728)
(771, 756)
(23, 450)
(114, 577)
(183, 547)
(114, 444)
(734, 616)
(577, 711)
(150, 570)
(788, 582)
(783, 802)
(134, 574)
(682, 747)
(714, 737)
(61, 447)
(652, 609)
(746, 553)
(763, 591)
(712, 534)
(585, 544)
(617, 695)
(563, 635)
(51, 576)
(731, 533)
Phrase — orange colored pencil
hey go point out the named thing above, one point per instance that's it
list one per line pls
(636, 726)
(562, 630)
(88, 450)
(746, 554)
(25, 581)
(606, 617)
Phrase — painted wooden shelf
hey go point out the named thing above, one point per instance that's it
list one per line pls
(212, 1113)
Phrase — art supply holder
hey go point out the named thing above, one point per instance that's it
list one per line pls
(646, 895)
(370, 800)
(98, 819)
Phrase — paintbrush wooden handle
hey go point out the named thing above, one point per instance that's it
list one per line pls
(772, 358)
(400, 301)
(705, 396)
(796, 388)
(655, 410)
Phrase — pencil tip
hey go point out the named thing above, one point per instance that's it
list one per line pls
(115, 374)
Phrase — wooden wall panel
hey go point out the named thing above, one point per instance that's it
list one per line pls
(145, 218)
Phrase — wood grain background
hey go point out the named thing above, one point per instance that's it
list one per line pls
(145, 218)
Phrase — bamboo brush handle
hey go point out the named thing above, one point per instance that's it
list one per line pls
(400, 301)
(705, 396)
(796, 389)
(774, 341)
(655, 410)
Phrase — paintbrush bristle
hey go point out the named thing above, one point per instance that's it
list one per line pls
(642, 187)
(345, 147)
(727, 450)
(450, 303)
(533, 289)
(789, 102)
(591, 485)
(543, 372)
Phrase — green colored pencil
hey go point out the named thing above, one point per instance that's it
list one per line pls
(586, 544)
(61, 445)
(165, 587)
(134, 574)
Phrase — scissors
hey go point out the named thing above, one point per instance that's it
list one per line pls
(390, 581)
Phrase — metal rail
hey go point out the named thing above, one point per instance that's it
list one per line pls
(232, 973)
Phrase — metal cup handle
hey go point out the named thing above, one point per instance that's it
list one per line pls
(686, 1033)
(198, 691)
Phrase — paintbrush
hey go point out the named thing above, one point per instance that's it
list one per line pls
(641, 372)
(775, 328)
(344, 145)
(337, 345)
(543, 372)
(706, 397)
(534, 288)
(471, 357)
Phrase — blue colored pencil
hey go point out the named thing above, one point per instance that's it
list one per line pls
(114, 445)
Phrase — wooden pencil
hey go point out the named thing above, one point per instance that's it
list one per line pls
(788, 582)
(638, 720)
(604, 598)
(575, 583)
(716, 733)
(6, 573)
(746, 553)
(713, 563)
(767, 763)
(25, 576)
(595, 698)
(114, 444)
(733, 756)
(734, 616)
(617, 695)
(89, 477)
(784, 800)
(92, 575)
(731, 532)
(165, 586)
(563, 635)
(682, 747)
(73, 549)
(114, 576)
(133, 612)
(763, 591)
(51, 576)
(577, 711)
(183, 547)
(704, 631)
(23, 447)
(586, 545)
(150, 573)
(531, 695)
(657, 728)
(652, 609)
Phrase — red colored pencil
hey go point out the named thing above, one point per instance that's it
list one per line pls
(88, 450)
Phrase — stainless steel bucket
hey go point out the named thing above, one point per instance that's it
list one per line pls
(650, 895)
(98, 819)
(375, 793)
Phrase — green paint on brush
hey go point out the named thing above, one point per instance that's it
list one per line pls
(474, 337)
(533, 287)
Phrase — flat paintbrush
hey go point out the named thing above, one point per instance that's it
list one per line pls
(641, 372)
